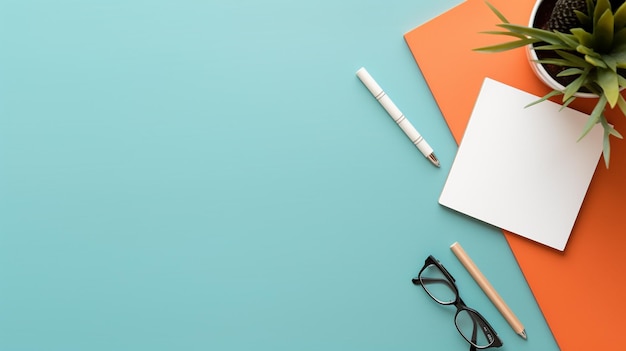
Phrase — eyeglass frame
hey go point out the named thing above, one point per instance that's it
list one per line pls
(490, 333)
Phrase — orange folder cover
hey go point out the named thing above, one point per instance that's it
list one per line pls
(580, 291)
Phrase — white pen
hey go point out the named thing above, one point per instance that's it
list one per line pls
(397, 115)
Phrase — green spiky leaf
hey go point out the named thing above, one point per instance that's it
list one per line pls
(600, 9)
(501, 32)
(610, 88)
(619, 38)
(603, 32)
(611, 63)
(540, 34)
(595, 61)
(619, 50)
(606, 143)
(506, 46)
(584, 19)
(576, 60)
(545, 97)
(550, 47)
(567, 102)
(621, 103)
(583, 37)
(620, 17)
(587, 51)
(594, 117)
(569, 39)
(562, 62)
(570, 72)
(498, 13)
(606, 148)
(574, 86)
(609, 128)
(590, 7)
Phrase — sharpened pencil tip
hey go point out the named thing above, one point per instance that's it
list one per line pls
(523, 334)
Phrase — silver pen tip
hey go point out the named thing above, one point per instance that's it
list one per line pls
(434, 159)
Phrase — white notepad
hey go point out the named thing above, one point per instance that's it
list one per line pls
(522, 169)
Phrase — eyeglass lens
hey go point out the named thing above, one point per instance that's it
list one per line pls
(437, 285)
(468, 322)
(473, 329)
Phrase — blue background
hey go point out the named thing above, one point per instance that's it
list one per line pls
(211, 175)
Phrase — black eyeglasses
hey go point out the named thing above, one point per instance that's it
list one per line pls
(439, 284)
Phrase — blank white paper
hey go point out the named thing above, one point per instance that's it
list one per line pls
(522, 168)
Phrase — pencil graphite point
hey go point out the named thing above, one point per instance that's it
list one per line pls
(523, 334)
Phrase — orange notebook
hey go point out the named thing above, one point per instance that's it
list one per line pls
(579, 290)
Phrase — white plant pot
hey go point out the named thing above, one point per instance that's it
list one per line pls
(538, 68)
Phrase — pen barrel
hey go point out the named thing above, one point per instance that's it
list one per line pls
(404, 124)
(369, 82)
(394, 112)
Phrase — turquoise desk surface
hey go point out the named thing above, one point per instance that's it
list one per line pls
(211, 175)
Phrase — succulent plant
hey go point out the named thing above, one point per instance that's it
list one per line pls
(590, 51)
